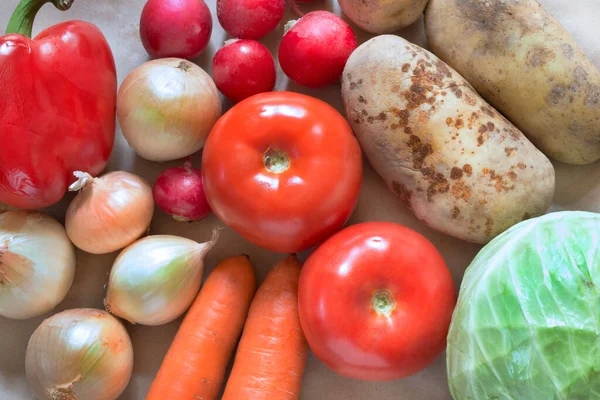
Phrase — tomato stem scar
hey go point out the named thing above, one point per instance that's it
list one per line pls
(383, 302)
(276, 161)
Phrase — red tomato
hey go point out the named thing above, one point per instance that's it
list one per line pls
(283, 169)
(376, 301)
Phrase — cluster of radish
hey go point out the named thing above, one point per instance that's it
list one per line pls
(312, 53)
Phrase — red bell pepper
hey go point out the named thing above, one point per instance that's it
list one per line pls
(57, 106)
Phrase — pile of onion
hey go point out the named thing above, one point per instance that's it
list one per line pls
(37, 264)
(110, 212)
(166, 108)
(79, 354)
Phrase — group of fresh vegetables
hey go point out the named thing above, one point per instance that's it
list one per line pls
(374, 300)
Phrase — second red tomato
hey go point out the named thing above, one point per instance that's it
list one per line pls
(282, 169)
(376, 301)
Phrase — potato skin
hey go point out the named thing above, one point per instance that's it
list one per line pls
(461, 167)
(383, 16)
(522, 61)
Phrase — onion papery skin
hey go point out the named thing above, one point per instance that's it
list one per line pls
(79, 354)
(37, 264)
(166, 109)
(110, 212)
(155, 280)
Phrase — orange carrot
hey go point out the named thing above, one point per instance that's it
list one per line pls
(195, 365)
(272, 353)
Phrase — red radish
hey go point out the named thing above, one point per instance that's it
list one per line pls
(179, 191)
(175, 28)
(250, 19)
(243, 68)
(315, 48)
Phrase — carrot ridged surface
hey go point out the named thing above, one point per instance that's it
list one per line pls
(272, 353)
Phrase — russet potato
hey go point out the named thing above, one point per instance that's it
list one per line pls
(460, 166)
(524, 63)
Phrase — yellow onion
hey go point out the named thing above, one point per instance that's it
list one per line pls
(110, 212)
(155, 280)
(166, 108)
(80, 354)
(37, 264)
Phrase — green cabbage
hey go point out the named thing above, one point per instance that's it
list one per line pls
(527, 322)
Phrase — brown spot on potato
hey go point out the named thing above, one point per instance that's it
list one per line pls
(490, 126)
(556, 95)
(512, 175)
(405, 67)
(427, 172)
(482, 136)
(488, 111)
(498, 180)
(420, 151)
(470, 100)
(485, 16)
(468, 169)
(527, 216)
(364, 112)
(424, 82)
(514, 132)
(457, 91)
(408, 130)
(474, 116)
(521, 165)
(489, 225)
(402, 191)
(580, 74)
(381, 117)
(416, 96)
(459, 123)
(361, 99)
(593, 96)
(456, 173)
(402, 116)
(395, 88)
(485, 13)
(455, 212)
(567, 50)
(437, 184)
(448, 121)
(539, 56)
(461, 190)
(443, 68)
(510, 151)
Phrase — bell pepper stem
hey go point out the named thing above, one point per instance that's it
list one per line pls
(22, 18)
